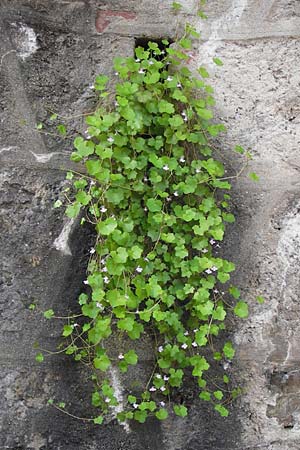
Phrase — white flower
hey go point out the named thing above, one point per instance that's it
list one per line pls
(223, 293)
(184, 346)
(103, 261)
(106, 280)
(168, 199)
(145, 179)
(91, 86)
(162, 389)
(135, 405)
(195, 330)
(76, 325)
(146, 259)
(158, 376)
(182, 159)
(218, 246)
(162, 404)
(87, 135)
(104, 269)
(92, 251)
(99, 305)
(169, 79)
(214, 268)
(110, 139)
(176, 194)
(208, 271)
(137, 60)
(141, 71)
(166, 378)
(152, 389)
(103, 209)
(162, 52)
(85, 282)
(179, 85)
(160, 348)
(121, 356)
(166, 167)
(117, 73)
(107, 400)
(198, 170)
(212, 241)
(151, 63)
(186, 333)
(194, 344)
(116, 104)
(139, 269)
(216, 291)
(204, 250)
(93, 183)
(145, 209)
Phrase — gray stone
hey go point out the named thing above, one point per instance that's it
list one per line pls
(50, 53)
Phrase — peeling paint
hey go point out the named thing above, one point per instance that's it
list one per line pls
(232, 17)
(61, 243)
(12, 148)
(27, 42)
(45, 157)
(118, 392)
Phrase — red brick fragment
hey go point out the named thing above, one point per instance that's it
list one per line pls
(103, 18)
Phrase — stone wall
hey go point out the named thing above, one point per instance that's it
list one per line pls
(50, 53)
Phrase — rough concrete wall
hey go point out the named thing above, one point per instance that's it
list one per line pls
(49, 54)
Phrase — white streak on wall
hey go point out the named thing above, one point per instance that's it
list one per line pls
(27, 42)
(118, 392)
(45, 157)
(61, 243)
(9, 149)
(231, 18)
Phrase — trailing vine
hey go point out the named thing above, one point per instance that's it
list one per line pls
(158, 200)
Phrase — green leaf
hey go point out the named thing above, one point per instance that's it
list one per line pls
(49, 314)
(253, 176)
(131, 399)
(235, 292)
(39, 126)
(39, 357)
(102, 363)
(218, 61)
(107, 226)
(180, 410)
(83, 198)
(222, 410)
(176, 6)
(57, 204)
(161, 414)
(167, 107)
(203, 72)
(241, 310)
(72, 211)
(98, 420)
(68, 330)
(126, 324)
(53, 116)
(135, 252)
(62, 130)
(228, 350)
(140, 416)
(154, 205)
(204, 395)
(218, 395)
(260, 299)
(131, 357)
